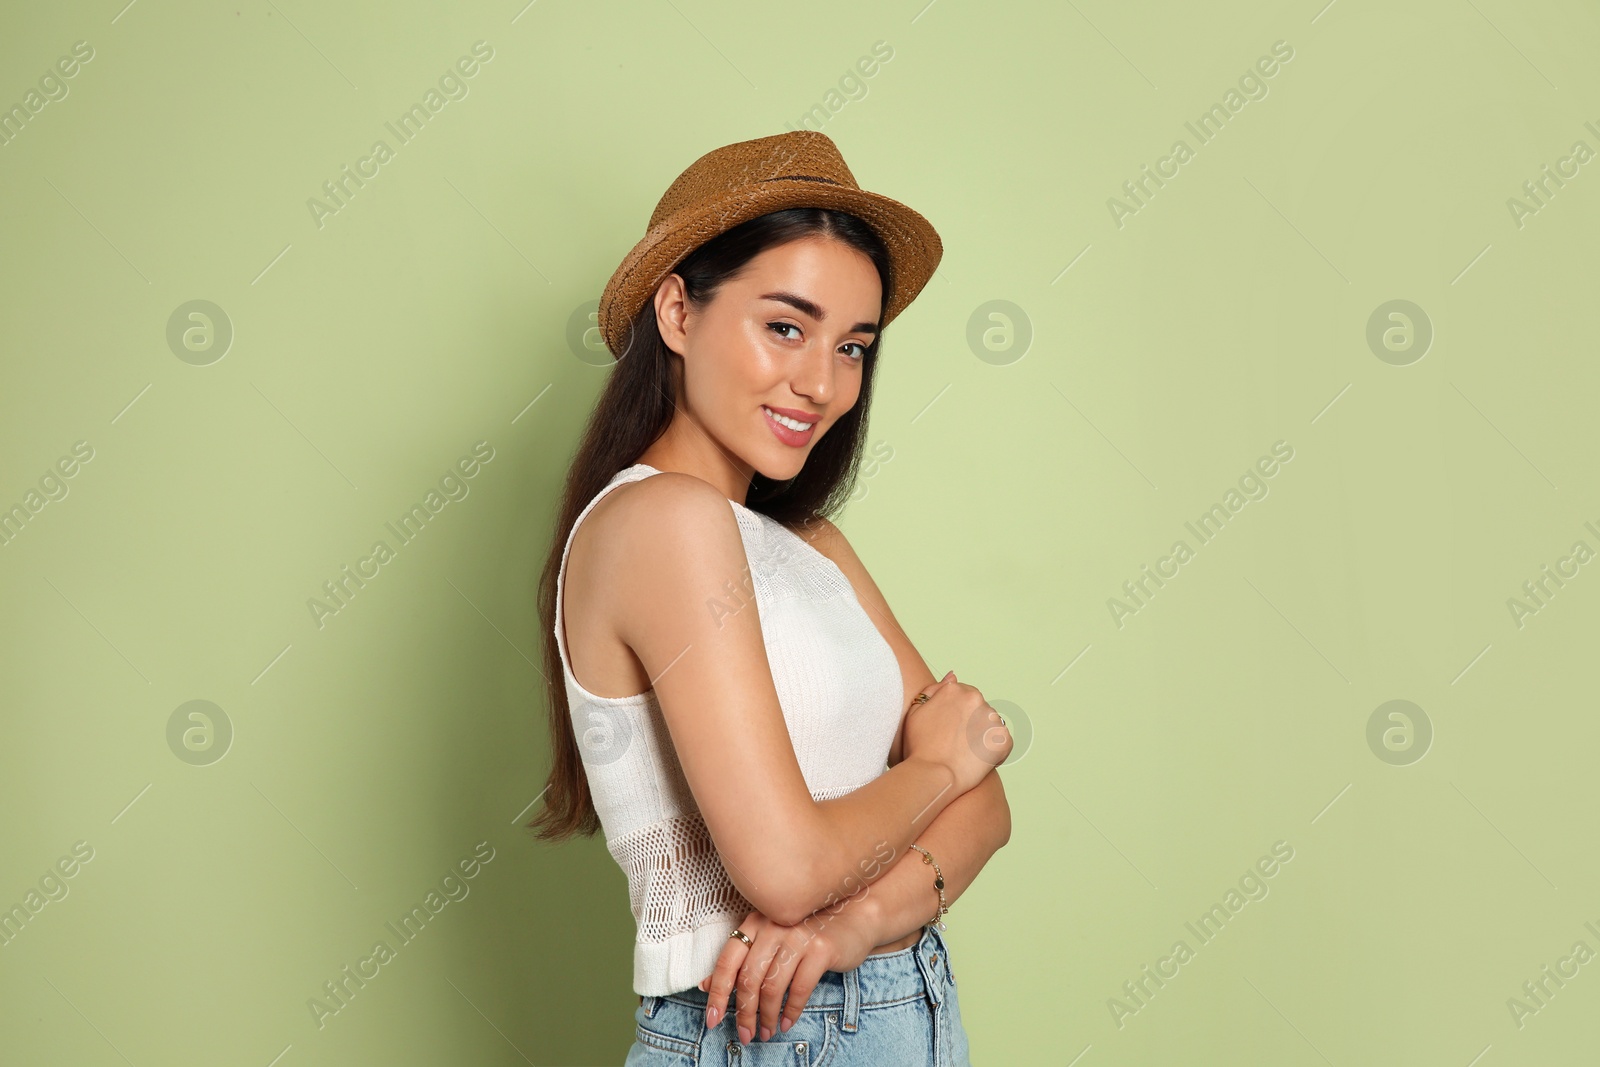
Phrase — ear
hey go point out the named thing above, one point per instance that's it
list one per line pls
(672, 311)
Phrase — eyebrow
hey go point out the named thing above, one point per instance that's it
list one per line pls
(800, 303)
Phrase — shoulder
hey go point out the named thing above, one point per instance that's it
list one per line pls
(667, 494)
(668, 498)
(661, 517)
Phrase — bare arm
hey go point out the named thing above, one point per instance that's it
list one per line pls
(975, 826)
(672, 542)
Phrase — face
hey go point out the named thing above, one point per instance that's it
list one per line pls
(786, 337)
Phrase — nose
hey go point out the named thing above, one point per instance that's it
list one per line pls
(813, 375)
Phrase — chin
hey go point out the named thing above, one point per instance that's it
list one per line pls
(782, 472)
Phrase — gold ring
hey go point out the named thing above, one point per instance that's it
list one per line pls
(742, 936)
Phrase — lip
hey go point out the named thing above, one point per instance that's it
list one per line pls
(791, 413)
(792, 438)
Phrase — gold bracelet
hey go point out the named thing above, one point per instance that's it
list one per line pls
(938, 884)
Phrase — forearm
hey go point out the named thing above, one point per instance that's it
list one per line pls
(856, 836)
(969, 831)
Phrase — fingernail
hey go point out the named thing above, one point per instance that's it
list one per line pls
(744, 1035)
(712, 1015)
(785, 1024)
(766, 1032)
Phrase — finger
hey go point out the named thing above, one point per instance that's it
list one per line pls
(719, 984)
(772, 990)
(752, 975)
(808, 971)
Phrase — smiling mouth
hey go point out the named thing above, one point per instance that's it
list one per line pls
(783, 420)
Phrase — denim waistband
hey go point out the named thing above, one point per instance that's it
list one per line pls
(921, 970)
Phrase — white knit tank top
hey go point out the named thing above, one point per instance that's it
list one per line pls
(839, 685)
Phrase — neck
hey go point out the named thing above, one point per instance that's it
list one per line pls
(688, 449)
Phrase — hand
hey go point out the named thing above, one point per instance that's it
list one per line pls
(782, 958)
(956, 727)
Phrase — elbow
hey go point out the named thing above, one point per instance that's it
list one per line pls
(813, 885)
(785, 892)
(799, 897)
(782, 872)
(786, 907)
(1000, 835)
(1002, 818)
(789, 913)
(778, 898)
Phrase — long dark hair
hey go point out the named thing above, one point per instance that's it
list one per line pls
(634, 410)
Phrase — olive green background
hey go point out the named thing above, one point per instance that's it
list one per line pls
(1042, 452)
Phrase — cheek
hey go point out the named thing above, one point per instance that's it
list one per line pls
(723, 374)
(849, 393)
(741, 350)
(760, 365)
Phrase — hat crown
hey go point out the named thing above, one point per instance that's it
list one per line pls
(806, 155)
(745, 180)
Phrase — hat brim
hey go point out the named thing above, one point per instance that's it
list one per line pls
(914, 245)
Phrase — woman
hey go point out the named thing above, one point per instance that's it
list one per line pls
(790, 831)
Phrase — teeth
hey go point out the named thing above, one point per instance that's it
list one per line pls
(784, 420)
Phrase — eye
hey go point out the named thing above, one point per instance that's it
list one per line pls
(777, 326)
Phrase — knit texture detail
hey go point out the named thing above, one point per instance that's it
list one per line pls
(839, 686)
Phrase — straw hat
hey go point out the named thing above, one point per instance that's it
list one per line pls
(735, 183)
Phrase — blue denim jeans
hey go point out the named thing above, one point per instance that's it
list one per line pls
(896, 1008)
